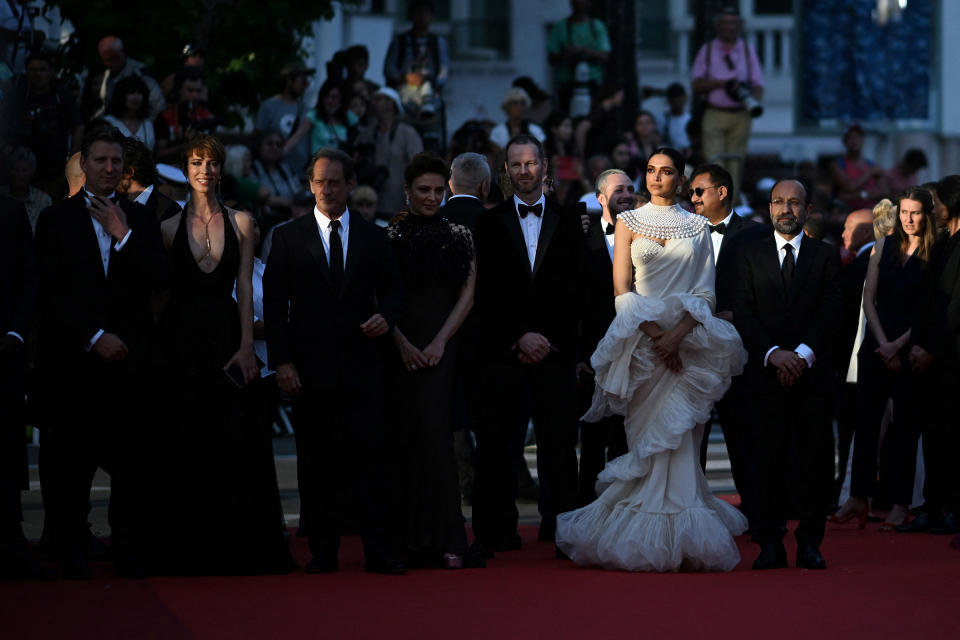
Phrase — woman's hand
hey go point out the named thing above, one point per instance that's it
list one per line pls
(434, 352)
(893, 365)
(412, 358)
(247, 361)
(887, 351)
(667, 347)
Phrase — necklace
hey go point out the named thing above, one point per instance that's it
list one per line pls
(206, 230)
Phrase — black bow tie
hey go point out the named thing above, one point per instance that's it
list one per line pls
(718, 228)
(608, 229)
(536, 210)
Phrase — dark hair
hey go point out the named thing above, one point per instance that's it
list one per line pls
(329, 85)
(423, 163)
(124, 87)
(203, 145)
(523, 138)
(915, 158)
(416, 4)
(357, 52)
(921, 195)
(101, 132)
(675, 156)
(676, 89)
(803, 185)
(719, 176)
(948, 190)
(137, 156)
(333, 155)
(184, 74)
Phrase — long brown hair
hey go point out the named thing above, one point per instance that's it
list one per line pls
(921, 195)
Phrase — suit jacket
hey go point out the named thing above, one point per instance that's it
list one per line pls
(599, 308)
(512, 299)
(160, 206)
(77, 299)
(767, 314)
(936, 325)
(18, 269)
(739, 233)
(309, 322)
(465, 211)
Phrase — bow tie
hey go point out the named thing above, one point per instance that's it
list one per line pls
(608, 229)
(536, 210)
(718, 228)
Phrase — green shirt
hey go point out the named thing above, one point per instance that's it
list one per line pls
(581, 35)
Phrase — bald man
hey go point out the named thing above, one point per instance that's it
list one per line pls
(98, 89)
(74, 174)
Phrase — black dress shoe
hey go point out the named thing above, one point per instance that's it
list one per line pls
(321, 565)
(808, 557)
(75, 568)
(950, 525)
(480, 550)
(388, 566)
(547, 531)
(512, 543)
(98, 550)
(920, 524)
(559, 554)
(772, 556)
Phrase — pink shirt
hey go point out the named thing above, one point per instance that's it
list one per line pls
(745, 67)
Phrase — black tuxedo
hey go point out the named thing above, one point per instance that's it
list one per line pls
(463, 210)
(18, 290)
(513, 299)
(603, 440)
(160, 206)
(792, 436)
(738, 233)
(94, 409)
(338, 415)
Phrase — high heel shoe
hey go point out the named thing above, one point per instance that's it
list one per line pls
(891, 525)
(859, 514)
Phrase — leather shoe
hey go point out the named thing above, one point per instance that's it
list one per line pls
(808, 557)
(772, 556)
(547, 531)
(919, 524)
(386, 565)
(559, 554)
(950, 525)
(321, 565)
(75, 568)
(512, 543)
(480, 550)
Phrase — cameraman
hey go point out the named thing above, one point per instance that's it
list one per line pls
(726, 69)
(188, 115)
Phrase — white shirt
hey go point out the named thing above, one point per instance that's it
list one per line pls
(717, 238)
(143, 197)
(462, 195)
(802, 349)
(103, 239)
(324, 223)
(609, 238)
(530, 226)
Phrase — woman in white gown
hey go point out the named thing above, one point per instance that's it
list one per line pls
(662, 364)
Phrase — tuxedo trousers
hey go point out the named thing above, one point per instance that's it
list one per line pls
(738, 441)
(600, 442)
(547, 391)
(792, 453)
(941, 442)
(13, 449)
(341, 457)
(94, 417)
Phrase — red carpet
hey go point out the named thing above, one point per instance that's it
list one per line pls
(877, 586)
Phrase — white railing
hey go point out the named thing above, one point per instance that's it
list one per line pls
(770, 36)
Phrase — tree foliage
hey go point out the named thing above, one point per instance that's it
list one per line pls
(245, 41)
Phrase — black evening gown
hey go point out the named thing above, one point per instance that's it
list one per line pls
(216, 503)
(434, 257)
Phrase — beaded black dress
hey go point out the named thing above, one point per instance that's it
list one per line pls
(434, 257)
(216, 507)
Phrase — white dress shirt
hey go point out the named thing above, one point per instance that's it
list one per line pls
(802, 349)
(104, 239)
(609, 238)
(324, 223)
(530, 226)
(717, 238)
(144, 196)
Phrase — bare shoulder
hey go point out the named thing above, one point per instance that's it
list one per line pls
(243, 223)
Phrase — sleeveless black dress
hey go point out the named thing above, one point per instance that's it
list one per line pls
(217, 508)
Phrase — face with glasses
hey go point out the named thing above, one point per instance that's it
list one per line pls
(709, 200)
(788, 208)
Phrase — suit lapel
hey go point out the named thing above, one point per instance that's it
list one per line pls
(512, 223)
(808, 250)
(771, 259)
(91, 244)
(732, 229)
(315, 245)
(547, 227)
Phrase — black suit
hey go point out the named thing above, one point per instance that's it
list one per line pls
(739, 233)
(18, 290)
(792, 436)
(94, 409)
(338, 414)
(463, 210)
(160, 206)
(606, 439)
(513, 299)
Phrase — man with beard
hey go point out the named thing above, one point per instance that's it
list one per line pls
(604, 440)
(786, 307)
(529, 298)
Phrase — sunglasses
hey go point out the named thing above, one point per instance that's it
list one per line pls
(699, 190)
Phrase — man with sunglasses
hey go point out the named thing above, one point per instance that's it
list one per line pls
(711, 193)
(725, 60)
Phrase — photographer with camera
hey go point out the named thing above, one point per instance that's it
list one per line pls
(578, 48)
(188, 116)
(727, 75)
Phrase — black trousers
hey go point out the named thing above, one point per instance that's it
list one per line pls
(547, 391)
(845, 406)
(341, 463)
(94, 418)
(941, 442)
(600, 442)
(792, 462)
(736, 436)
(875, 386)
(13, 450)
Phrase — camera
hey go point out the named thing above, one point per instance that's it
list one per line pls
(740, 91)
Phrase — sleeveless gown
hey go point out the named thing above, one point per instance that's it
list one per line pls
(217, 507)
(654, 510)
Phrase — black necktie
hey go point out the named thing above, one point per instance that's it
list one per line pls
(718, 228)
(788, 266)
(536, 210)
(336, 253)
(609, 229)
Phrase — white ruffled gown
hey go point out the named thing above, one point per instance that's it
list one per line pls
(655, 510)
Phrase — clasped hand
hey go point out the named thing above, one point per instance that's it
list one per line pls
(532, 347)
(790, 366)
(110, 216)
(888, 352)
(666, 345)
